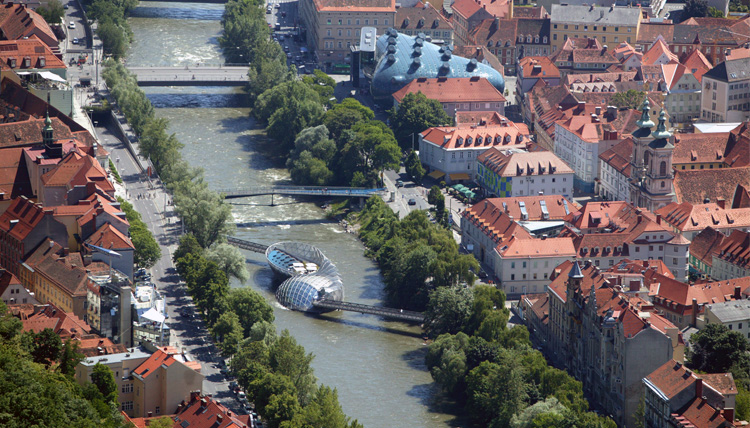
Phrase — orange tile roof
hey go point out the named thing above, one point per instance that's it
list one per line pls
(14, 176)
(538, 66)
(591, 278)
(28, 131)
(618, 157)
(687, 217)
(556, 206)
(523, 12)
(620, 76)
(510, 135)
(421, 17)
(109, 237)
(628, 266)
(481, 118)
(697, 63)
(532, 247)
(16, 52)
(700, 148)
(723, 383)
(78, 169)
(666, 291)
(657, 50)
(156, 360)
(452, 90)
(496, 8)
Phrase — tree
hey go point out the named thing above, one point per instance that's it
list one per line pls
(323, 84)
(309, 170)
(281, 407)
(250, 306)
(414, 167)
(288, 358)
(446, 360)
(114, 40)
(448, 310)
(715, 13)
(716, 349)
(228, 331)
(230, 260)
(372, 149)
(344, 116)
(496, 392)
(10, 326)
(204, 212)
(525, 418)
(628, 99)
(53, 12)
(188, 245)
(104, 380)
(742, 403)
(70, 357)
(147, 250)
(46, 347)
(315, 141)
(415, 114)
(324, 411)
(695, 9)
(434, 195)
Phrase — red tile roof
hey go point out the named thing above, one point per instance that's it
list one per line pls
(421, 17)
(665, 291)
(500, 33)
(723, 383)
(532, 247)
(523, 12)
(697, 63)
(618, 157)
(109, 237)
(627, 266)
(14, 176)
(17, 22)
(470, 118)
(65, 324)
(205, 412)
(556, 206)
(453, 90)
(28, 215)
(590, 279)
(77, 169)
(494, 222)
(497, 8)
(164, 356)
(29, 54)
(706, 244)
(672, 378)
(510, 135)
(700, 148)
(659, 50)
(538, 67)
(735, 249)
(699, 414)
(695, 186)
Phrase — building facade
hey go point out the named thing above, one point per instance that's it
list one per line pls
(606, 24)
(726, 92)
(523, 174)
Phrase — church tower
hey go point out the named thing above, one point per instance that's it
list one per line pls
(651, 176)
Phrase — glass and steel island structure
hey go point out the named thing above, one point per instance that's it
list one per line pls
(307, 274)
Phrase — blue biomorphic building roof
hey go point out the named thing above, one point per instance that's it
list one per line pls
(403, 58)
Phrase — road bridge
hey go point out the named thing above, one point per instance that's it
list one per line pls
(398, 314)
(360, 192)
(204, 75)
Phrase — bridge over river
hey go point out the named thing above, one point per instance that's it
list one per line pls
(385, 312)
(203, 75)
(354, 192)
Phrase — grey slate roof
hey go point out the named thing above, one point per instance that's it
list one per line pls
(596, 15)
(731, 71)
(735, 310)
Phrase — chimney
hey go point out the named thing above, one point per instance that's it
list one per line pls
(13, 224)
(219, 418)
(695, 310)
(737, 292)
(658, 218)
(598, 110)
(612, 112)
(729, 415)
(150, 414)
(204, 403)
(720, 202)
(639, 218)
(699, 387)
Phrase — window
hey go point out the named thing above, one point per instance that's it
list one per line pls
(524, 276)
(329, 21)
(576, 27)
(128, 387)
(386, 22)
(512, 277)
(374, 22)
(127, 405)
(524, 265)
(356, 22)
(340, 22)
(158, 410)
(565, 27)
(617, 29)
(554, 37)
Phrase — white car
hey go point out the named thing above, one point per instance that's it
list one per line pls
(72, 24)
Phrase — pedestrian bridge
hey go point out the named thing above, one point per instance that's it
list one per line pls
(328, 304)
(360, 192)
(202, 75)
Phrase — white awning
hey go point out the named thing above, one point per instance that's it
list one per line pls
(153, 315)
(45, 75)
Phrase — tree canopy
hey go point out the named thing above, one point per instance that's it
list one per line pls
(716, 349)
(415, 114)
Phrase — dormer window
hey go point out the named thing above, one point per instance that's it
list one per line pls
(459, 141)
(520, 39)
(536, 39)
(42, 61)
(584, 250)
(479, 140)
(27, 62)
(544, 40)
(528, 39)
(469, 140)
(12, 62)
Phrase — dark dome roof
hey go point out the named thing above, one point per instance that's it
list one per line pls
(414, 58)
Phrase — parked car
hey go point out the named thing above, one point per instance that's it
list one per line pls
(399, 183)
(412, 201)
(75, 41)
(268, 10)
(72, 24)
(66, 7)
(233, 385)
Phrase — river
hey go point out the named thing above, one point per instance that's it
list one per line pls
(377, 366)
